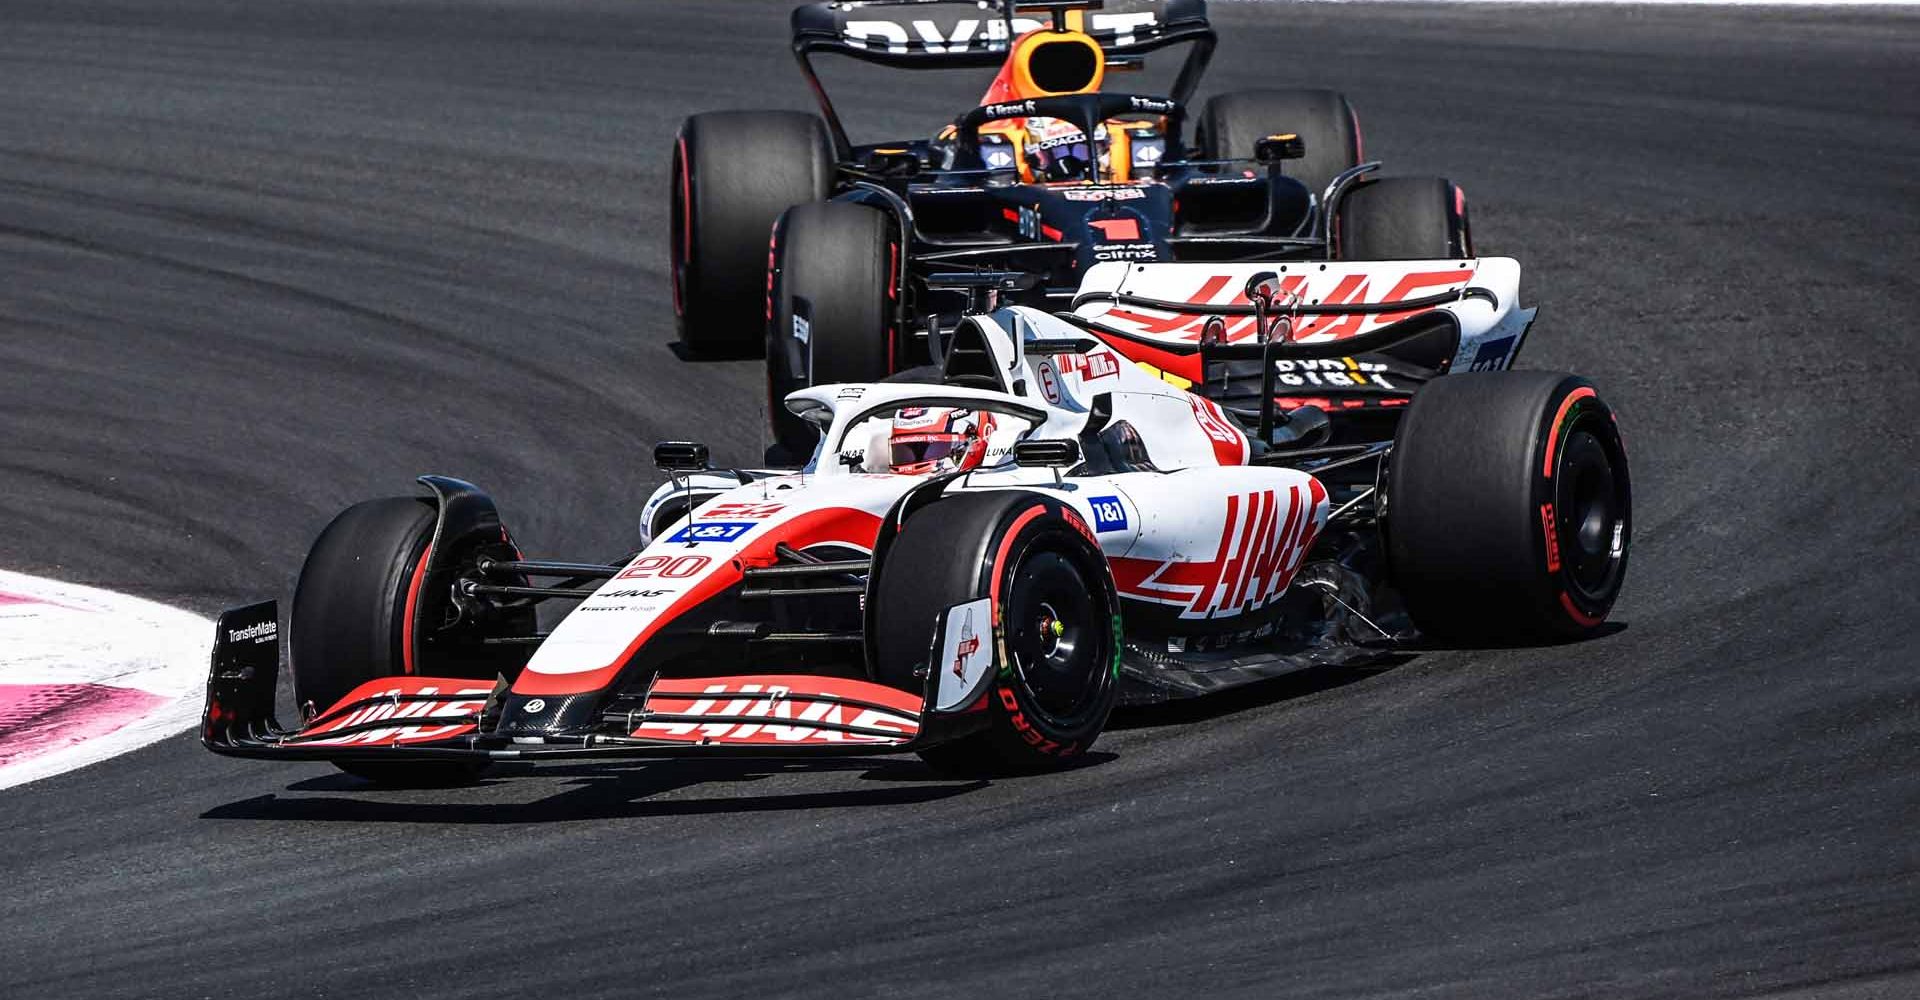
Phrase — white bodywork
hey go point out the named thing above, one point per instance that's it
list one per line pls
(1490, 332)
(1195, 531)
(1200, 533)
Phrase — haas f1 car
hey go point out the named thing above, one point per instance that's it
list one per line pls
(976, 562)
(875, 248)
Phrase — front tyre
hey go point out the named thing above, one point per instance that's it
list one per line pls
(357, 594)
(733, 173)
(1509, 508)
(1403, 218)
(835, 268)
(1230, 124)
(1056, 628)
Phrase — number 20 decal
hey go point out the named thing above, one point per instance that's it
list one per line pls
(665, 567)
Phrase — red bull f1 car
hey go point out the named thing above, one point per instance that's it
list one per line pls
(977, 561)
(877, 248)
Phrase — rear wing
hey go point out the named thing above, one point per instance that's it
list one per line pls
(1438, 315)
(958, 34)
(1331, 308)
(949, 34)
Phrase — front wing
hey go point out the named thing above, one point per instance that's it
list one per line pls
(429, 718)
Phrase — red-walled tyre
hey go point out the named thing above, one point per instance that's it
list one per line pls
(832, 297)
(733, 173)
(1403, 218)
(354, 621)
(1057, 634)
(1509, 509)
(1230, 124)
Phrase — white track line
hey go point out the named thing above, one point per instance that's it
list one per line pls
(54, 633)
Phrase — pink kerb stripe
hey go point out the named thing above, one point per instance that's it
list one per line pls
(40, 718)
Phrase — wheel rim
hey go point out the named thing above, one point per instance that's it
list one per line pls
(1054, 636)
(1590, 505)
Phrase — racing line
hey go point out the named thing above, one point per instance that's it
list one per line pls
(261, 260)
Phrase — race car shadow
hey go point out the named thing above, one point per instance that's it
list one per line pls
(682, 352)
(1606, 630)
(605, 791)
(1300, 684)
(1287, 687)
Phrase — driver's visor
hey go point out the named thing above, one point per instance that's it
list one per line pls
(1070, 158)
(919, 449)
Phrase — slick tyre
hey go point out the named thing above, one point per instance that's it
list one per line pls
(832, 320)
(1056, 644)
(1231, 123)
(1403, 218)
(1509, 511)
(733, 173)
(351, 606)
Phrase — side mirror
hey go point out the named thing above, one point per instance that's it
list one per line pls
(1046, 346)
(1263, 288)
(893, 162)
(1304, 427)
(1213, 332)
(1056, 454)
(680, 456)
(1275, 148)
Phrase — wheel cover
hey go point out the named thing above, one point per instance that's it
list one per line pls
(1591, 516)
(1055, 634)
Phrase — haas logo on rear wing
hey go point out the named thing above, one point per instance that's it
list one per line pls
(1127, 310)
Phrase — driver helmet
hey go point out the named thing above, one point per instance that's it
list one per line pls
(933, 439)
(1058, 150)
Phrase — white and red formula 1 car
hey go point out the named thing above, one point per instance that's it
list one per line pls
(977, 561)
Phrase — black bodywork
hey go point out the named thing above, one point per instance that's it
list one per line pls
(960, 207)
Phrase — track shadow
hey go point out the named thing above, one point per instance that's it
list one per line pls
(606, 791)
(630, 790)
(684, 353)
(1312, 680)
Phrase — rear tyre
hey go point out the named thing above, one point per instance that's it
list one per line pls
(1509, 509)
(1056, 644)
(733, 173)
(834, 265)
(1403, 218)
(1231, 123)
(357, 590)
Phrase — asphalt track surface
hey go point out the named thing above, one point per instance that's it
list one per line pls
(263, 260)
